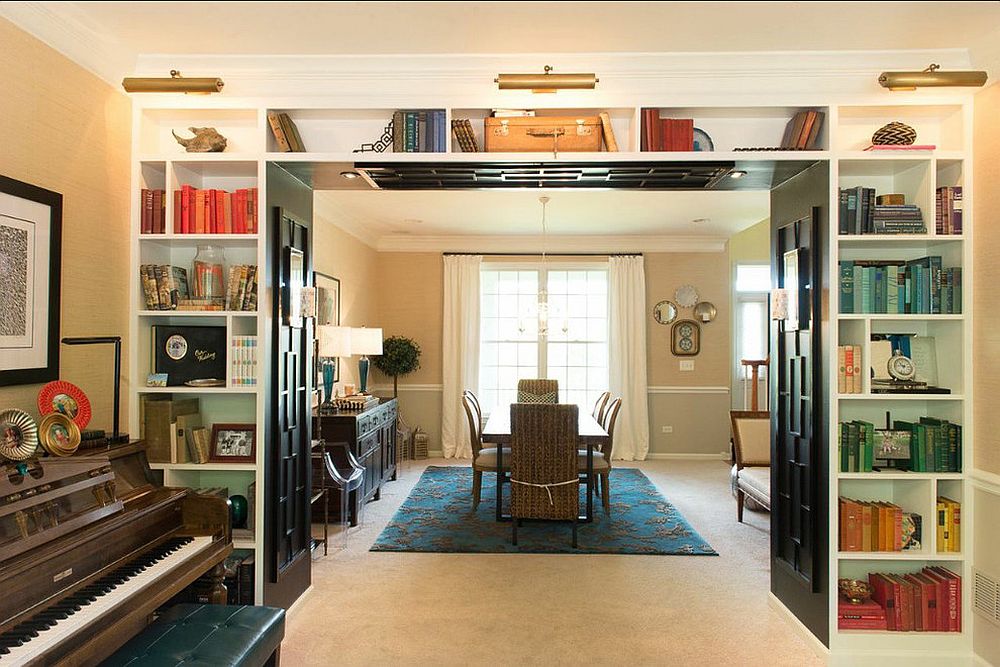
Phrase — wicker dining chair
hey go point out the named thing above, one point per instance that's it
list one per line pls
(602, 459)
(600, 406)
(484, 459)
(544, 483)
(537, 391)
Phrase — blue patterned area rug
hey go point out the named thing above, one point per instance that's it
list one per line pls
(438, 517)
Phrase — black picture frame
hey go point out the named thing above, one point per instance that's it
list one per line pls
(46, 339)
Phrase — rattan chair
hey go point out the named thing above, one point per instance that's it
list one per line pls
(543, 449)
(537, 391)
(602, 458)
(600, 406)
(484, 459)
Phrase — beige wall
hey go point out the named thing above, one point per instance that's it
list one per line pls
(986, 343)
(753, 244)
(66, 130)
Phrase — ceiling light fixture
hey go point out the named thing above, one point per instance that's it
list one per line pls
(930, 77)
(350, 175)
(175, 84)
(547, 82)
(737, 173)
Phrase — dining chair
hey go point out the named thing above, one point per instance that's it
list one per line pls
(752, 444)
(477, 406)
(602, 459)
(484, 459)
(600, 406)
(544, 483)
(537, 391)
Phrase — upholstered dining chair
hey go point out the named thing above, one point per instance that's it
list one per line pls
(752, 444)
(537, 391)
(544, 483)
(484, 459)
(600, 406)
(602, 458)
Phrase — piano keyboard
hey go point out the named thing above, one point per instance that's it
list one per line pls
(32, 638)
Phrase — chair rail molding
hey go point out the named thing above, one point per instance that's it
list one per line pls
(986, 481)
(683, 389)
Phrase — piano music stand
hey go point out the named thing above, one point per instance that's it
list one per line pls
(116, 438)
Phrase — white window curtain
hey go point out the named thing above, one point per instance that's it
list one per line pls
(627, 350)
(460, 343)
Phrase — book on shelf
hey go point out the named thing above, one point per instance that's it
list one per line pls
(286, 134)
(164, 287)
(153, 211)
(184, 445)
(926, 601)
(860, 211)
(920, 286)
(215, 211)
(925, 445)
(803, 131)
(241, 288)
(876, 525)
(243, 356)
(949, 525)
(610, 143)
(865, 615)
(665, 134)
(948, 210)
(849, 369)
(464, 135)
(419, 131)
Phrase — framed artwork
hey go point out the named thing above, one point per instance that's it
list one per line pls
(30, 260)
(685, 338)
(327, 314)
(233, 443)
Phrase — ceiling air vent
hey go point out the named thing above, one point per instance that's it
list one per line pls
(986, 595)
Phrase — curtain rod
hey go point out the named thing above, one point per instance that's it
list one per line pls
(548, 254)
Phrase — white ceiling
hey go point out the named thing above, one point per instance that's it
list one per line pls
(373, 215)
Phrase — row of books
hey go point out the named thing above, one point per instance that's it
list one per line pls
(215, 211)
(925, 601)
(465, 136)
(849, 369)
(949, 525)
(286, 135)
(243, 361)
(876, 525)
(163, 286)
(241, 289)
(153, 211)
(918, 286)
(926, 445)
(802, 131)
(948, 210)
(666, 134)
(861, 212)
(418, 131)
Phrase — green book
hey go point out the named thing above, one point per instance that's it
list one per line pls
(853, 443)
(847, 287)
(956, 433)
(867, 273)
(869, 447)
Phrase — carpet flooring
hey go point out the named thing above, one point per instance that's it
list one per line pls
(437, 517)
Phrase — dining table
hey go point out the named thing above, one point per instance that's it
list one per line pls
(590, 435)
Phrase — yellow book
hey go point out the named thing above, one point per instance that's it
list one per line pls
(942, 526)
(954, 523)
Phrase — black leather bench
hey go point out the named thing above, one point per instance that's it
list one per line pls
(196, 635)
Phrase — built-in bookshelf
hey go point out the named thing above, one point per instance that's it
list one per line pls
(917, 176)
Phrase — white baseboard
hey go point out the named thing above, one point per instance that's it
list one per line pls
(437, 454)
(978, 661)
(299, 601)
(818, 647)
(680, 456)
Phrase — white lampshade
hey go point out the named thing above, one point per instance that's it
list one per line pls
(366, 341)
(334, 341)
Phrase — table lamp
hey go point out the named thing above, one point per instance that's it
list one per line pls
(334, 342)
(365, 341)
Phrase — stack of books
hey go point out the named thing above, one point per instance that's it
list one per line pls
(666, 134)
(803, 131)
(849, 369)
(866, 615)
(286, 135)
(917, 286)
(949, 525)
(418, 131)
(464, 135)
(164, 287)
(861, 212)
(925, 601)
(153, 207)
(243, 357)
(877, 526)
(948, 210)
(215, 211)
(241, 289)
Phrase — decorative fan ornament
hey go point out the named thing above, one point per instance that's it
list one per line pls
(65, 398)
(18, 435)
(894, 134)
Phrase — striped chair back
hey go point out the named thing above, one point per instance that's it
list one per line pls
(543, 453)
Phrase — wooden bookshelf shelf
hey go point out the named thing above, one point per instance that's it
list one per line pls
(898, 556)
(206, 467)
(197, 313)
(905, 317)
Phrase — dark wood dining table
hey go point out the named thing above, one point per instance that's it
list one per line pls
(497, 432)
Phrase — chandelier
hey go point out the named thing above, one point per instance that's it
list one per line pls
(541, 311)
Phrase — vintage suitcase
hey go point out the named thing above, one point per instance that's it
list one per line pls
(546, 134)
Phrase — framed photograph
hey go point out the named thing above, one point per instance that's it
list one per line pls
(30, 259)
(233, 443)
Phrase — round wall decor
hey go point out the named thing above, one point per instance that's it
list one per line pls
(59, 435)
(665, 312)
(686, 296)
(18, 435)
(66, 398)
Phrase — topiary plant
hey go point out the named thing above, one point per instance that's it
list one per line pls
(400, 356)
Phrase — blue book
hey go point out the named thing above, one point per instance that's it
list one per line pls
(878, 303)
(866, 289)
(440, 132)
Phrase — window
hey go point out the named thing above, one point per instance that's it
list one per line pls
(573, 351)
(751, 285)
(753, 277)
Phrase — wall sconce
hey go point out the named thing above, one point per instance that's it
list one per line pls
(930, 77)
(175, 84)
(779, 304)
(547, 82)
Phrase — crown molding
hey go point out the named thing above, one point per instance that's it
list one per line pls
(553, 244)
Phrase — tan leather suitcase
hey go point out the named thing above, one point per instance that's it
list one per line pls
(543, 134)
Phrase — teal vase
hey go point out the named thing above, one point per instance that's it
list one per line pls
(238, 507)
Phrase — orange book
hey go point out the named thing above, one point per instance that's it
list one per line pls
(227, 213)
(220, 211)
(866, 527)
(199, 212)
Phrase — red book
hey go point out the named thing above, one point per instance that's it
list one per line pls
(199, 211)
(177, 211)
(227, 210)
(220, 211)
(666, 134)
(146, 217)
(954, 605)
(927, 615)
(209, 212)
(240, 211)
(686, 139)
(655, 130)
(252, 217)
(883, 592)
(187, 200)
(942, 598)
(868, 615)
(901, 604)
(157, 211)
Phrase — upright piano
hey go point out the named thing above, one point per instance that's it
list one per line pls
(90, 547)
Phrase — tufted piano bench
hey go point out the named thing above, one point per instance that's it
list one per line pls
(206, 635)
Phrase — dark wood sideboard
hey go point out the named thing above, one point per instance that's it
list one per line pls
(371, 437)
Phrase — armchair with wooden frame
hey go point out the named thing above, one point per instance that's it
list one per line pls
(752, 444)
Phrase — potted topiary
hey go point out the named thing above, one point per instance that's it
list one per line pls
(400, 356)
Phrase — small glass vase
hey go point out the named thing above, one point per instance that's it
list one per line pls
(208, 283)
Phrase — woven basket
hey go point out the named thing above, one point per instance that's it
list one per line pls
(894, 134)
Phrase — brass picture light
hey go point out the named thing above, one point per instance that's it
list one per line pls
(174, 84)
(930, 77)
(546, 82)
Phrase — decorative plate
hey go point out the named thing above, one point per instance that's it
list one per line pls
(702, 142)
(686, 296)
(665, 312)
(59, 435)
(66, 398)
(18, 435)
(207, 382)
